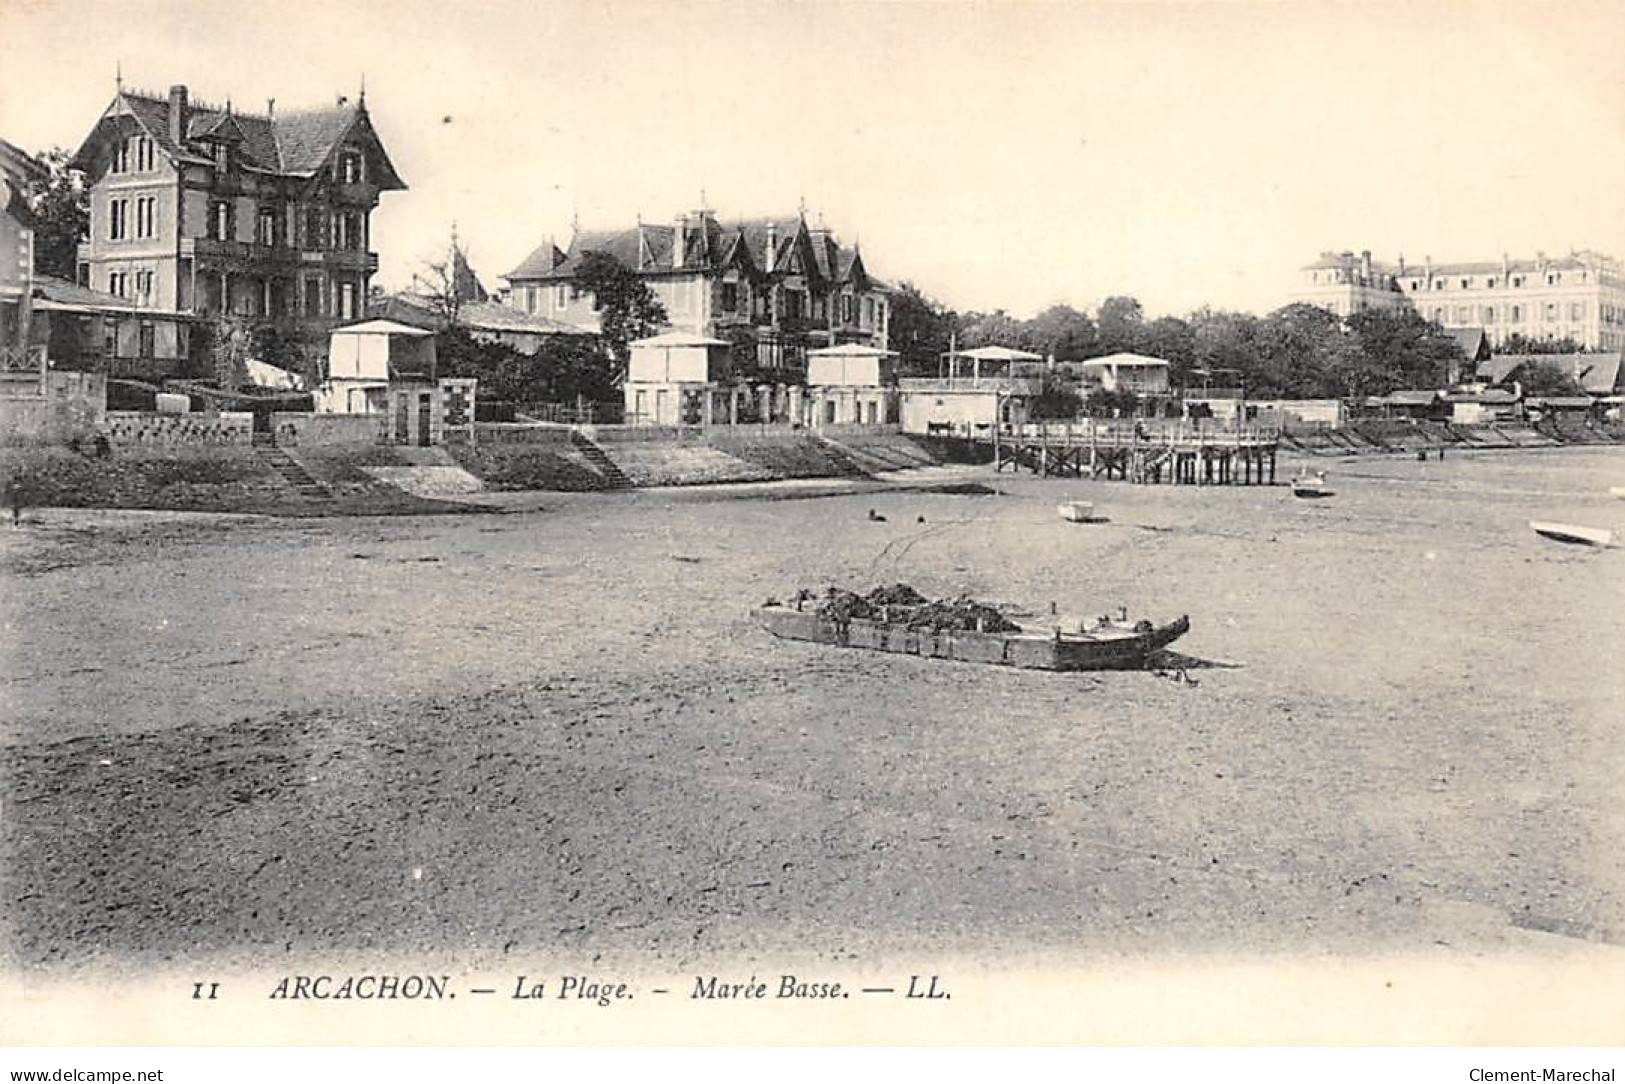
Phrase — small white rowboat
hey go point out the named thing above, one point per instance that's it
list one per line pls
(1311, 485)
(1573, 534)
(1076, 511)
(1617, 491)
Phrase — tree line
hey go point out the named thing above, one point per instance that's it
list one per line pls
(1296, 352)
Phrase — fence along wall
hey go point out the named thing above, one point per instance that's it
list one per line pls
(150, 429)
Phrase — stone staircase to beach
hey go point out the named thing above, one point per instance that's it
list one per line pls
(290, 470)
(841, 459)
(596, 457)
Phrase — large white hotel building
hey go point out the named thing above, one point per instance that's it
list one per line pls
(1580, 296)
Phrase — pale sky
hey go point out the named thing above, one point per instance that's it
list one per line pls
(999, 155)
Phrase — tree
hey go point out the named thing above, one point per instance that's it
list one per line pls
(1409, 351)
(1120, 321)
(1542, 378)
(1519, 343)
(1107, 404)
(564, 369)
(1061, 332)
(996, 328)
(627, 308)
(59, 200)
(919, 330)
(1173, 340)
(1226, 354)
(231, 344)
(448, 283)
(1057, 400)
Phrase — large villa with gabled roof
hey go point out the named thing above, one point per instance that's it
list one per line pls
(212, 209)
(777, 282)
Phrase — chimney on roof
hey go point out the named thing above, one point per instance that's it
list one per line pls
(1365, 264)
(177, 113)
(772, 246)
(679, 241)
(270, 108)
(343, 101)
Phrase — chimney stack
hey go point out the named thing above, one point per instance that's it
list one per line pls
(679, 241)
(1365, 264)
(177, 113)
(772, 246)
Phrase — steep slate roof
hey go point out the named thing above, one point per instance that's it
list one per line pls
(297, 143)
(1471, 340)
(17, 165)
(1598, 374)
(710, 244)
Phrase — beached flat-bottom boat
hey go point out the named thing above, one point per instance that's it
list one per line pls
(1108, 645)
(1573, 534)
(1617, 491)
(1076, 511)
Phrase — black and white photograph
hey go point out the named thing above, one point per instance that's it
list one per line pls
(1096, 524)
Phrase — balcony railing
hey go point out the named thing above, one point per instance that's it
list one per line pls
(1004, 385)
(254, 252)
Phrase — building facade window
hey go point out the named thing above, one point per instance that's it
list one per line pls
(350, 167)
(1551, 311)
(118, 219)
(313, 295)
(265, 227)
(118, 284)
(530, 299)
(315, 228)
(143, 155)
(121, 157)
(143, 287)
(146, 216)
(1577, 310)
(219, 221)
(1489, 314)
(346, 301)
(561, 298)
(147, 337)
(730, 297)
(1517, 314)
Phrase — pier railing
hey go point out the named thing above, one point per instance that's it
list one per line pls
(1180, 433)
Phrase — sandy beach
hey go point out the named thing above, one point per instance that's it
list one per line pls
(257, 739)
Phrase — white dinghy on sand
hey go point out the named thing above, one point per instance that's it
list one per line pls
(1574, 534)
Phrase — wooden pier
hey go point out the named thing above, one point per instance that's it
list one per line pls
(1179, 453)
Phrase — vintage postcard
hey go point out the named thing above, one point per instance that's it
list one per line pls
(830, 523)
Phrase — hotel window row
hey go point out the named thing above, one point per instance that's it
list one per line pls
(1516, 282)
(1513, 314)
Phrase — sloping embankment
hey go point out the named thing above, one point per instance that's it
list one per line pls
(1402, 436)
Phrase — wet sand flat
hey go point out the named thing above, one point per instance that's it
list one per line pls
(559, 730)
